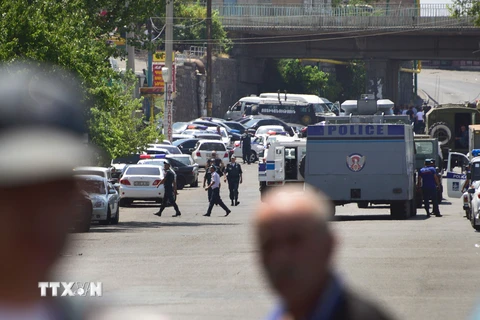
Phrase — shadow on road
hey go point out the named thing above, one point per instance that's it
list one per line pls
(131, 225)
(383, 217)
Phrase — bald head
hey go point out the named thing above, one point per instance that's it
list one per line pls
(296, 244)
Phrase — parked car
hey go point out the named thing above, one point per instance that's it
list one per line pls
(184, 158)
(257, 149)
(139, 182)
(235, 135)
(236, 126)
(186, 144)
(95, 171)
(185, 174)
(120, 162)
(170, 148)
(203, 151)
(266, 129)
(256, 123)
(178, 127)
(104, 198)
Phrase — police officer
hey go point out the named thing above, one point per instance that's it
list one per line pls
(246, 147)
(215, 186)
(217, 162)
(429, 182)
(170, 191)
(207, 178)
(233, 172)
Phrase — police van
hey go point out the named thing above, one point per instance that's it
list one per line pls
(281, 162)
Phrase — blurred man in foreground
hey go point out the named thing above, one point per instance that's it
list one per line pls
(296, 250)
(42, 129)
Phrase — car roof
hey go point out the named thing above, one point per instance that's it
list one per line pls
(90, 177)
(92, 169)
(142, 165)
(182, 155)
(211, 141)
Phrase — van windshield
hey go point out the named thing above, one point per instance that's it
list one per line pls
(320, 108)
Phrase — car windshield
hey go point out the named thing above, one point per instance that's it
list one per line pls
(157, 151)
(209, 146)
(320, 108)
(264, 130)
(153, 162)
(142, 171)
(92, 186)
(251, 122)
(90, 173)
(424, 147)
(181, 161)
(132, 159)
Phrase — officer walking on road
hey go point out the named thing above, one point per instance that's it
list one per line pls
(207, 178)
(233, 172)
(429, 182)
(217, 162)
(215, 186)
(170, 191)
(246, 147)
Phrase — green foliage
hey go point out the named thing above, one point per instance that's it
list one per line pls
(461, 8)
(357, 75)
(302, 79)
(67, 33)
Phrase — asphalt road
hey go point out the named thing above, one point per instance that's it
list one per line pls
(195, 267)
(447, 86)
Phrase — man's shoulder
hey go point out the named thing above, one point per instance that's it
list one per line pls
(354, 307)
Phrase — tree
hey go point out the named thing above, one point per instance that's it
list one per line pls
(42, 31)
(302, 79)
(461, 8)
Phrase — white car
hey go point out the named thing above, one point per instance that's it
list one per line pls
(203, 151)
(257, 148)
(223, 133)
(170, 148)
(104, 197)
(94, 171)
(139, 182)
(265, 129)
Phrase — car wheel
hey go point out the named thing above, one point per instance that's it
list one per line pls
(117, 216)
(180, 183)
(253, 157)
(195, 184)
(109, 218)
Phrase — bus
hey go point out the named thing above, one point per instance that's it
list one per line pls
(292, 111)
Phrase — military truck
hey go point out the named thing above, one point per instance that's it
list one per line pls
(364, 159)
(427, 147)
(445, 123)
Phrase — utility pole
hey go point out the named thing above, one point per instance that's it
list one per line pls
(168, 115)
(209, 58)
(130, 52)
(150, 55)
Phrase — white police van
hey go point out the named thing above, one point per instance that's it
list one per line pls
(281, 162)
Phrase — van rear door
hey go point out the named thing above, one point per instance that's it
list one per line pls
(456, 174)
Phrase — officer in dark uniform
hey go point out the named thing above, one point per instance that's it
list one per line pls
(170, 191)
(233, 172)
(208, 178)
(429, 182)
(218, 163)
(246, 147)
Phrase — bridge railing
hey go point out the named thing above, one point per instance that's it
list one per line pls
(354, 17)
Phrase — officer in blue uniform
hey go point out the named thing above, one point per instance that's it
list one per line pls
(233, 172)
(429, 182)
(170, 191)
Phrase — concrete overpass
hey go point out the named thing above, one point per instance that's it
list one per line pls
(381, 35)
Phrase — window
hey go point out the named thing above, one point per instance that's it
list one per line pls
(132, 159)
(320, 108)
(424, 147)
(92, 186)
(210, 146)
(237, 107)
(142, 171)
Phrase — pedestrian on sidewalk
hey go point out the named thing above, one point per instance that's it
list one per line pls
(170, 191)
(233, 173)
(216, 199)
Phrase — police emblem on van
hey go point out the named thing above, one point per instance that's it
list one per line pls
(356, 162)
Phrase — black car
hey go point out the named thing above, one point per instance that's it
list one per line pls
(236, 126)
(185, 174)
(255, 123)
(234, 136)
(185, 145)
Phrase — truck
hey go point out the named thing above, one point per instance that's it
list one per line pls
(366, 158)
(281, 163)
(445, 123)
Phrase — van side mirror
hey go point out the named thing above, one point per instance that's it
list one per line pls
(471, 190)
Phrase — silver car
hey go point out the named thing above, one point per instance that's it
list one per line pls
(104, 197)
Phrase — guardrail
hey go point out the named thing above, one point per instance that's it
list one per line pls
(244, 17)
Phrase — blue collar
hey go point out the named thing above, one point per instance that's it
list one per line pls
(326, 304)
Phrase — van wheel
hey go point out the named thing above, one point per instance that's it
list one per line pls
(252, 157)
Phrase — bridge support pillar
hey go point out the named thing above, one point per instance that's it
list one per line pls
(382, 79)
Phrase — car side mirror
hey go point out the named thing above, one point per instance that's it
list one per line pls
(112, 191)
(471, 190)
(191, 149)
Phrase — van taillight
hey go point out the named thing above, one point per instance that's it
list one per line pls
(125, 182)
(225, 155)
(198, 154)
